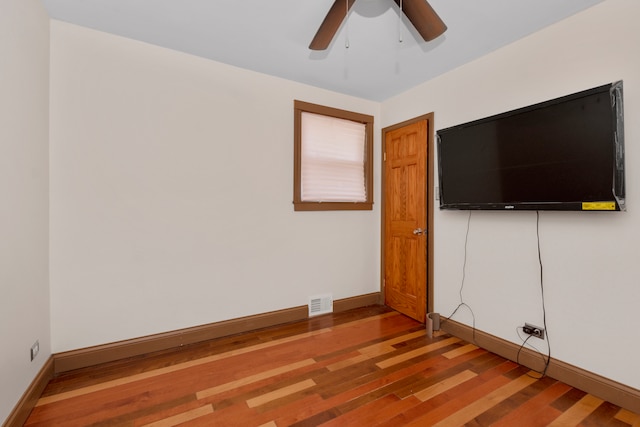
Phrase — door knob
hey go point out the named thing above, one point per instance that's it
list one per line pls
(418, 231)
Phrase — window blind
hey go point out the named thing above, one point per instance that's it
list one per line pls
(332, 159)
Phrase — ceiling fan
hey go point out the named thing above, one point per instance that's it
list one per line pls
(419, 12)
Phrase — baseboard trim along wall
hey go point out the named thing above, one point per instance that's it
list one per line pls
(596, 385)
(75, 359)
(23, 408)
(90, 356)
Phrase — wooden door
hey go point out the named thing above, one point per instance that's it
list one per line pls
(405, 219)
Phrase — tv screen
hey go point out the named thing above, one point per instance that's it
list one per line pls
(562, 154)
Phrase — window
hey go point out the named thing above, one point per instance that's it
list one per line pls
(333, 159)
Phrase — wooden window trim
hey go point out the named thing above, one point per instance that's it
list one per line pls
(367, 120)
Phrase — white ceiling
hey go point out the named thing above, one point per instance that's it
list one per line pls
(272, 36)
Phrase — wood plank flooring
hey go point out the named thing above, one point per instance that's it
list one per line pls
(365, 367)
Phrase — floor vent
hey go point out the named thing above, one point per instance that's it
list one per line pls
(320, 304)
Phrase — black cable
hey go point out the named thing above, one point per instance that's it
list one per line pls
(546, 362)
(464, 270)
(544, 310)
(464, 263)
(525, 342)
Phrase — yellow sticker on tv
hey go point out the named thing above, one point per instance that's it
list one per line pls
(598, 206)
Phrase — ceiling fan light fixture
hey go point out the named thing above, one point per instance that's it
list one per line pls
(419, 12)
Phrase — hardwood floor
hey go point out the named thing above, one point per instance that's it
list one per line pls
(365, 367)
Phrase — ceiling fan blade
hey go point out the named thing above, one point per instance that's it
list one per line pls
(424, 18)
(330, 25)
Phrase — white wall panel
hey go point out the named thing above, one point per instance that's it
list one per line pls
(171, 194)
(591, 266)
(24, 240)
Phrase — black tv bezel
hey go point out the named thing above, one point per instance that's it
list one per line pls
(615, 91)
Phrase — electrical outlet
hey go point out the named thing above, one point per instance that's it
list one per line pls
(536, 331)
(35, 348)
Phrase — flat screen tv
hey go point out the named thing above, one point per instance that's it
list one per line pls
(562, 154)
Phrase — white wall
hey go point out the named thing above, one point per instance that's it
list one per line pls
(171, 194)
(171, 188)
(24, 128)
(591, 267)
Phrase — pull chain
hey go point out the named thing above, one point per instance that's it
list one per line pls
(400, 24)
(346, 16)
